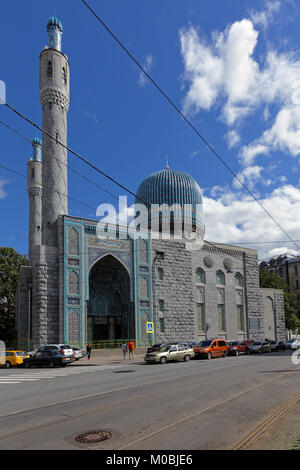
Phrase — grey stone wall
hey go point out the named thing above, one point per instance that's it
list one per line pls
(253, 299)
(229, 260)
(23, 306)
(45, 291)
(176, 290)
(275, 313)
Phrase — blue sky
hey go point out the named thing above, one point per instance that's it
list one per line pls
(233, 67)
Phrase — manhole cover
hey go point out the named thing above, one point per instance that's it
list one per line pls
(92, 437)
(123, 371)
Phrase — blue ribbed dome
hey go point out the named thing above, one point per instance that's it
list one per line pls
(53, 21)
(169, 187)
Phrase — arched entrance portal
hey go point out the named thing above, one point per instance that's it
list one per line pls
(110, 312)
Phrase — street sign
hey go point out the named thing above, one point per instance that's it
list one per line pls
(150, 327)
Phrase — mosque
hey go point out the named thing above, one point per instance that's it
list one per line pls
(81, 288)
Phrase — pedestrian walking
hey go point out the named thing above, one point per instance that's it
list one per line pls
(88, 351)
(130, 347)
(124, 349)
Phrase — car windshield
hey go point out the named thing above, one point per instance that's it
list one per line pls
(233, 343)
(257, 343)
(204, 343)
(21, 353)
(165, 348)
(273, 342)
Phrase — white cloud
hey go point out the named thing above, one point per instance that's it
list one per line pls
(264, 17)
(226, 74)
(3, 183)
(233, 138)
(233, 219)
(90, 116)
(143, 80)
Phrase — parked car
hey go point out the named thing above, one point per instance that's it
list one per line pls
(155, 347)
(170, 352)
(13, 359)
(49, 358)
(236, 348)
(77, 354)
(211, 348)
(295, 344)
(259, 347)
(61, 348)
(190, 344)
(288, 343)
(277, 346)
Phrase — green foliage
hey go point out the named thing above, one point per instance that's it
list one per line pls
(274, 281)
(10, 264)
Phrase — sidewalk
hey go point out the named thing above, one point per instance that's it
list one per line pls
(111, 356)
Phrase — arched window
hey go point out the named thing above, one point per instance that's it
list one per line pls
(220, 278)
(73, 283)
(238, 278)
(73, 242)
(144, 287)
(49, 69)
(143, 251)
(200, 276)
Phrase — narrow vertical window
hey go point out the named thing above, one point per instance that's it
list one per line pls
(162, 325)
(221, 317)
(201, 317)
(240, 317)
(161, 305)
(49, 69)
(64, 76)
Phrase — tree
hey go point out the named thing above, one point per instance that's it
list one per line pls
(274, 281)
(10, 264)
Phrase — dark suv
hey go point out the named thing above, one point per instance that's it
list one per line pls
(236, 348)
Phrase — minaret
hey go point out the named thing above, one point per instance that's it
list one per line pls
(54, 98)
(35, 191)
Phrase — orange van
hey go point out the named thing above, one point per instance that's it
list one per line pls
(211, 348)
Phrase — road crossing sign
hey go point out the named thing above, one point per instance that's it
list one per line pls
(150, 327)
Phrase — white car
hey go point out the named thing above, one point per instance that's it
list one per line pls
(295, 344)
(78, 354)
(62, 348)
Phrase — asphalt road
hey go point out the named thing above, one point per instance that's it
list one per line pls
(177, 406)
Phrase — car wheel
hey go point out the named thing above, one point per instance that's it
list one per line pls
(163, 360)
(7, 365)
(236, 353)
(27, 365)
(248, 352)
(209, 355)
(259, 351)
(186, 358)
(51, 364)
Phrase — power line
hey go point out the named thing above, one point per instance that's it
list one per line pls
(171, 102)
(96, 184)
(63, 163)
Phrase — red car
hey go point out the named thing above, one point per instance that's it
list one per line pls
(236, 348)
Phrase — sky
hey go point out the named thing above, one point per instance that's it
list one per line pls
(232, 67)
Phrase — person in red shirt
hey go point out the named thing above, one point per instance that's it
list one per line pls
(130, 348)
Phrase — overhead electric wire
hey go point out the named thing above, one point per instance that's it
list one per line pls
(171, 102)
(83, 159)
